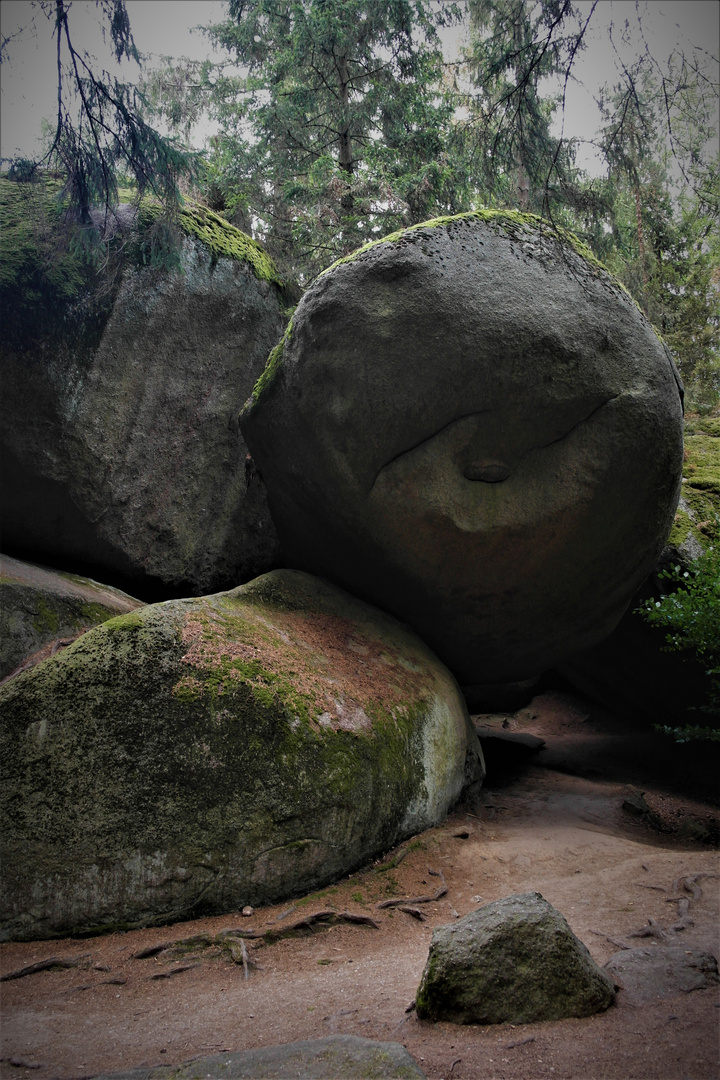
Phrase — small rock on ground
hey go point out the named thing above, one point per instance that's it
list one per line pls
(513, 961)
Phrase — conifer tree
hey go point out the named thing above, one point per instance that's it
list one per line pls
(335, 131)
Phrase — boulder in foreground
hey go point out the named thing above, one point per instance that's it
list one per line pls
(199, 755)
(513, 961)
(337, 1057)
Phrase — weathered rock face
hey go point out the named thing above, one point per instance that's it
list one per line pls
(199, 755)
(514, 961)
(472, 425)
(40, 609)
(121, 448)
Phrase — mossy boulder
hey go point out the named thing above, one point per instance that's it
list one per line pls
(198, 755)
(697, 521)
(632, 671)
(123, 374)
(41, 610)
(514, 961)
(472, 425)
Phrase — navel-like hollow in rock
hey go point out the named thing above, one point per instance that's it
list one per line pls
(474, 427)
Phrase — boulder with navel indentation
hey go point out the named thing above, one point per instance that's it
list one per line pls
(472, 425)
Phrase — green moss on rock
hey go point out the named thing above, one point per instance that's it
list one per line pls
(699, 513)
(40, 608)
(682, 528)
(511, 223)
(201, 754)
(40, 260)
(219, 237)
(270, 372)
(37, 244)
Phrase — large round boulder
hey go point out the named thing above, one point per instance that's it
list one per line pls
(198, 755)
(122, 381)
(471, 424)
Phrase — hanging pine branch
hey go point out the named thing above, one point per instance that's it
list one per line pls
(100, 136)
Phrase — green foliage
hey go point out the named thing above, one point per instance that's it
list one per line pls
(690, 615)
(338, 130)
(100, 134)
(513, 158)
(689, 733)
(660, 236)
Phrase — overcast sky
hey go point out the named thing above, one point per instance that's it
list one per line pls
(165, 27)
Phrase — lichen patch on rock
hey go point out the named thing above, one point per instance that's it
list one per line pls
(323, 665)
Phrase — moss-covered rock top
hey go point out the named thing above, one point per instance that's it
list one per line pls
(224, 240)
(198, 755)
(32, 242)
(43, 610)
(329, 667)
(527, 229)
(33, 238)
(514, 224)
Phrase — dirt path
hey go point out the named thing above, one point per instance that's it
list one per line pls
(608, 869)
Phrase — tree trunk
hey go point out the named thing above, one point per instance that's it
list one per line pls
(523, 184)
(641, 240)
(345, 151)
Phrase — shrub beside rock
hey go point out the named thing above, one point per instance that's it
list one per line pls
(198, 755)
(513, 961)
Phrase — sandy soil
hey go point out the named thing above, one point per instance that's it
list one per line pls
(552, 822)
